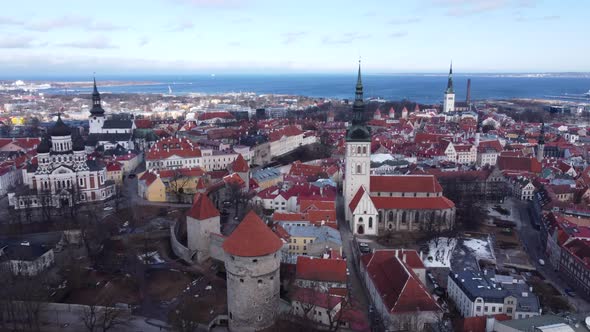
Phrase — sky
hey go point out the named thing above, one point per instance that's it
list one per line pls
(303, 36)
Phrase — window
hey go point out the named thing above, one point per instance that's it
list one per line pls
(358, 169)
(242, 280)
(370, 222)
(358, 150)
(364, 150)
(254, 261)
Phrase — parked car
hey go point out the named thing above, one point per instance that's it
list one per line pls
(541, 262)
(570, 292)
(364, 248)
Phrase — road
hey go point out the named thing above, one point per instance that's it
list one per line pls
(358, 292)
(531, 240)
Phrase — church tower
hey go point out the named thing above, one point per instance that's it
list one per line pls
(96, 119)
(541, 144)
(358, 149)
(449, 102)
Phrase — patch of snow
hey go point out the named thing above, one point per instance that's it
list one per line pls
(480, 248)
(439, 254)
(381, 157)
(152, 257)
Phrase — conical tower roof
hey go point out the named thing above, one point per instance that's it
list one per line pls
(252, 238)
(202, 208)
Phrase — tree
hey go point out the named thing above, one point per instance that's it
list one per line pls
(177, 184)
(102, 318)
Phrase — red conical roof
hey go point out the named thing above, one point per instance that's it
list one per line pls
(252, 238)
(201, 184)
(202, 208)
(240, 164)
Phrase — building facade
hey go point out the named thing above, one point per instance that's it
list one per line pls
(63, 176)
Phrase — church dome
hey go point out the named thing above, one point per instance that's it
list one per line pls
(60, 128)
(44, 146)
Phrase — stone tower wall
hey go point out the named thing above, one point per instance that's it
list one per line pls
(253, 286)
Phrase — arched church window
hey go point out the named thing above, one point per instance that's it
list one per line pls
(364, 150)
(404, 217)
(370, 222)
(358, 169)
(358, 150)
(390, 218)
(360, 219)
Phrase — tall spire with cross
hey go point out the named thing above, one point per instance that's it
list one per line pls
(358, 130)
(450, 88)
(97, 109)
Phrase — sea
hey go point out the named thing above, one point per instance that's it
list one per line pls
(422, 88)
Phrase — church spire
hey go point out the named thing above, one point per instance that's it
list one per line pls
(96, 103)
(358, 131)
(450, 88)
(358, 108)
(542, 134)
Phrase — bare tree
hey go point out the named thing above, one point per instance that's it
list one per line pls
(102, 318)
(177, 184)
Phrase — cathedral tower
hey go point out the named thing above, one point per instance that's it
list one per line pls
(449, 101)
(96, 119)
(358, 149)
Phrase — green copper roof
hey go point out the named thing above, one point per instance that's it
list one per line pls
(450, 88)
(358, 131)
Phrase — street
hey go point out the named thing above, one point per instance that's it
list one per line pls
(358, 292)
(531, 242)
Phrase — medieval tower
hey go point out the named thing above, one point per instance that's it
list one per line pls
(201, 221)
(253, 258)
(449, 101)
(96, 119)
(358, 149)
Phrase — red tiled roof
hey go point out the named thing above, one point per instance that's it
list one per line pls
(113, 167)
(317, 298)
(202, 208)
(411, 203)
(399, 288)
(306, 204)
(143, 123)
(240, 164)
(519, 164)
(148, 177)
(181, 172)
(252, 238)
(286, 131)
(171, 146)
(405, 183)
(213, 115)
(319, 269)
(357, 198)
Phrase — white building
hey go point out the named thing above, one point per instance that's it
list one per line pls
(108, 132)
(485, 294)
(63, 176)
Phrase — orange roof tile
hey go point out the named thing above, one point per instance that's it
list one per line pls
(252, 238)
(202, 208)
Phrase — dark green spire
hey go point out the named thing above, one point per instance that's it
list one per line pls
(358, 131)
(450, 88)
(96, 104)
(358, 108)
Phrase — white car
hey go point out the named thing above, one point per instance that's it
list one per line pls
(108, 208)
(541, 262)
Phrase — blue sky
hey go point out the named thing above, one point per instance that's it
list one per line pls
(273, 36)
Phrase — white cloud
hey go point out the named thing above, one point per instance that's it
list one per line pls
(346, 38)
(398, 34)
(73, 22)
(473, 7)
(99, 42)
(400, 21)
(16, 42)
(293, 36)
